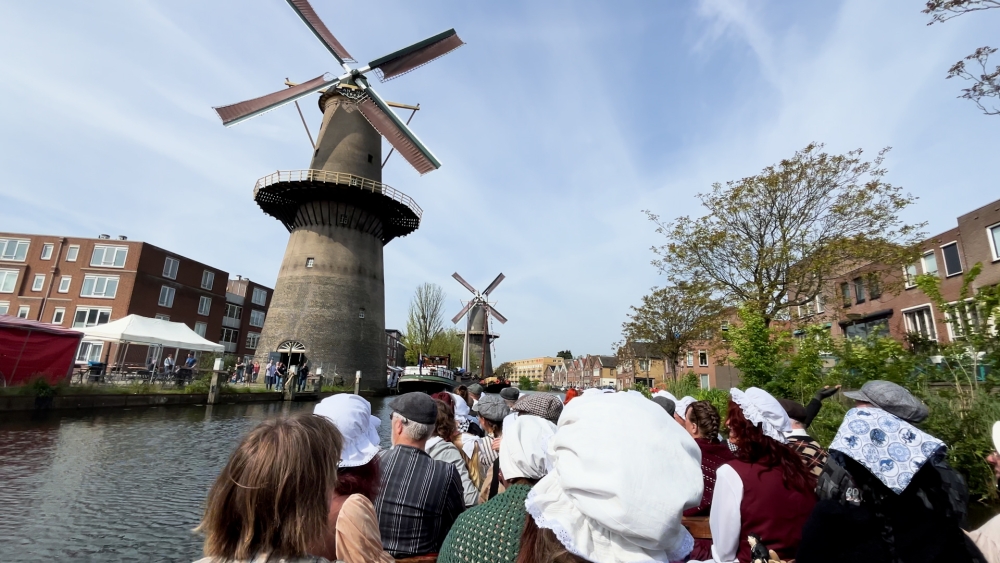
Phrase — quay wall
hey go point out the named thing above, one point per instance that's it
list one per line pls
(21, 403)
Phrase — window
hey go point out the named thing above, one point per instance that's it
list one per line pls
(234, 311)
(99, 286)
(13, 249)
(91, 316)
(310, 262)
(58, 315)
(64, 282)
(703, 358)
(910, 273)
(207, 279)
(47, 251)
(204, 305)
(8, 280)
(361, 313)
(252, 339)
(845, 294)
(38, 283)
(994, 235)
(109, 256)
(952, 261)
(920, 321)
(690, 359)
(166, 296)
(72, 252)
(90, 352)
(859, 290)
(867, 328)
(170, 266)
(874, 287)
(929, 263)
(259, 296)
(644, 365)
(962, 319)
(230, 335)
(724, 325)
(22, 311)
(162, 317)
(256, 318)
(201, 328)
(704, 381)
(4, 307)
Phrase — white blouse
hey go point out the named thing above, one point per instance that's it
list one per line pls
(725, 518)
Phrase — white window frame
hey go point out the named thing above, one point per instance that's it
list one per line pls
(21, 247)
(23, 311)
(38, 283)
(233, 333)
(97, 280)
(4, 307)
(923, 263)
(104, 248)
(8, 279)
(973, 319)
(58, 315)
(170, 267)
(702, 353)
(86, 322)
(993, 242)
(72, 252)
(961, 267)
(207, 279)
(253, 340)
(704, 381)
(161, 317)
(64, 284)
(166, 298)
(908, 280)
(263, 296)
(89, 351)
(47, 249)
(932, 322)
(233, 311)
(254, 316)
(201, 328)
(204, 305)
(690, 359)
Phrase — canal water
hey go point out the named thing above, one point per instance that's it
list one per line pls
(118, 485)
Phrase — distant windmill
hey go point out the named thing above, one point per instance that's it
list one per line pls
(477, 327)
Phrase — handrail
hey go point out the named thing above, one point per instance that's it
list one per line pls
(341, 178)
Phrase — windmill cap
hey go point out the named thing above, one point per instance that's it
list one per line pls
(891, 398)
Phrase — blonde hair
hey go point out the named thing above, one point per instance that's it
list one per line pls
(273, 496)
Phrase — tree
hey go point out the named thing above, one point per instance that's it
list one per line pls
(425, 319)
(986, 83)
(565, 354)
(524, 383)
(668, 319)
(778, 239)
(757, 350)
(504, 371)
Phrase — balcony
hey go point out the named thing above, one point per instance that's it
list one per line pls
(230, 322)
(230, 347)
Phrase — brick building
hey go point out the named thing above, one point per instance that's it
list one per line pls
(82, 282)
(243, 316)
(395, 350)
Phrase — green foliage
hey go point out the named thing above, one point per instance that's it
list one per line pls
(504, 371)
(966, 428)
(757, 350)
(688, 386)
(565, 354)
(38, 386)
(644, 390)
(524, 383)
(200, 385)
(425, 320)
(876, 357)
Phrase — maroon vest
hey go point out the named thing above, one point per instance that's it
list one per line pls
(770, 511)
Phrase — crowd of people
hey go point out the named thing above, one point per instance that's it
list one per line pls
(603, 477)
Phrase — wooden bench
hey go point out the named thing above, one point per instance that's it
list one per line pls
(698, 527)
(429, 558)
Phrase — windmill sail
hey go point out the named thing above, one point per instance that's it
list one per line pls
(319, 29)
(385, 121)
(416, 55)
(235, 113)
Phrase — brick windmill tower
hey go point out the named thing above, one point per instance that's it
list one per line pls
(329, 300)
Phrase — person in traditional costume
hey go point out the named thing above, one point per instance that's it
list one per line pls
(702, 423)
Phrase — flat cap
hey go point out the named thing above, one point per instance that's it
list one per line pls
(891, 398)
(492, 408)
(542, 405)
(475, 389)
(666, 403)
(416, 406)
(795, 410)
(510, 393)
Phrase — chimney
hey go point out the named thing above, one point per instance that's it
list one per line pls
(104, 237)
(122, 237)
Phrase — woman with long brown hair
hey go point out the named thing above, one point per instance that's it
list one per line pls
(440, 446)
(766, 491)
(272, 499)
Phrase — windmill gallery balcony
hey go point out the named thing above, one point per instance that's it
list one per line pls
(285, 193)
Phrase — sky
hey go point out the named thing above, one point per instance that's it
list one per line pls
(557, 124)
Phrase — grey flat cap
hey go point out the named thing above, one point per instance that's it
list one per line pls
(475, 389)
(666, 403)
(417, 407)
(492, 408)
(891, 398)
(510, 393)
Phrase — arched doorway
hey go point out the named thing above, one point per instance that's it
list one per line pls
(292, 352)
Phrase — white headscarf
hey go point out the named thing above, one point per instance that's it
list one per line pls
(524, 446)
(760, 408)
(603, 497)
(682, 405)
(667, 394)
(352, 415)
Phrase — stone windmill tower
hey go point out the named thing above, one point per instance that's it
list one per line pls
(476, 356)
(329, 300)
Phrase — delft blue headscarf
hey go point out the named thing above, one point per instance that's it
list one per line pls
(888, 446)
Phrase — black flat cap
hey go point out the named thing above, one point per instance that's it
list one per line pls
(417, 407)
(666, 403)
(510, 393)
(795, 410)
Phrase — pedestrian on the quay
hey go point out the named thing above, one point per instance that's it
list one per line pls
(272, 499)
(168, 365)
(491, 532)
(240, 368)
(190, 361)
(269, 372)
(303, 372)
(621, 474)
(280, 374)
(352, 527)
(256, 372)
(419, 497)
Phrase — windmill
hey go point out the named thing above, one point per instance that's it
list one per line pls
(477, 326)
(329, 299)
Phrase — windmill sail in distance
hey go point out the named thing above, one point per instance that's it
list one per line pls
(477, 333)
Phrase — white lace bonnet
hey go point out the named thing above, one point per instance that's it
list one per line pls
(760, 408)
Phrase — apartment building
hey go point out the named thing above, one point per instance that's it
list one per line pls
(80, 282)
(533, 368)
(243, 316)
(395, 350)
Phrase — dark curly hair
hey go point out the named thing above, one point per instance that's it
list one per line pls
(755, 447)
(361, 480)
(445, 426)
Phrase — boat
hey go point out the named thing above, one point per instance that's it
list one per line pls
(427, 379)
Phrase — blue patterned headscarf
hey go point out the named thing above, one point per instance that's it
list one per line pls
(888, 446)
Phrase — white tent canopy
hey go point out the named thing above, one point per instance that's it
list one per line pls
(144, 330)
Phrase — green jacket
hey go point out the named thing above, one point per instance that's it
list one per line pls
(490, 532)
